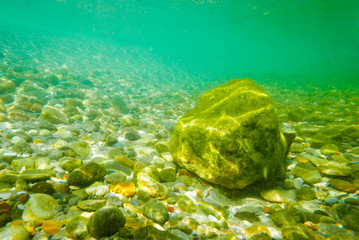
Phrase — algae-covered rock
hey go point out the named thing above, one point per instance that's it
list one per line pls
(81, 148)
(156, 211)
(39, 206)
(14, 232)
(35, 175)
(86, 175)
(232, 137)
(148, 180)
(118, 101)
(76, 227)
(105, 222)
(53, 115)
(7, 87)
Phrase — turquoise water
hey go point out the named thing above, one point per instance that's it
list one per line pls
(194, 40)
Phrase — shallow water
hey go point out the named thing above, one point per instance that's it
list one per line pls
(96, 88)
(292, 41)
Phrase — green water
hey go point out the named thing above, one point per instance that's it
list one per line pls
(206, 40)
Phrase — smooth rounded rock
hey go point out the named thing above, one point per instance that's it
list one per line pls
(69, 164)
(342, 185)
(35, 175)
(91, 205)
(43, 187)
(168, 174)
(307, 172)
(298, 183)
(14, 232)
(86, 175)
(115, 178)
(162, 147)
(331, 200)
(51, 227)
(278, 195)
(148, 181)
(329, 149)
(352, 200)
(105, 222)
(156, 211)
(76, 227)
(306, 193)
(132, 136)
(39, 206)
(44, 132)
(27, 163)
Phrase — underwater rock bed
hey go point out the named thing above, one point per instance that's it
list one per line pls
(79, 155)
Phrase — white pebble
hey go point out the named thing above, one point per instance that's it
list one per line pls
(33, 132)
(44, 133)
(98, 190)
(298, 183)
(16, 139)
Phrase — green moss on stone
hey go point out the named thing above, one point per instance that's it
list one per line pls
(231, 137)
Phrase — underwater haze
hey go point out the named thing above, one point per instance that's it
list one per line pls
(206, 40)
(179, 119)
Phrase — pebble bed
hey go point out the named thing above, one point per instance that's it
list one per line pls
(87, 157)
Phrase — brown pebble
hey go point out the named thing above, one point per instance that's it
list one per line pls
(342, 185)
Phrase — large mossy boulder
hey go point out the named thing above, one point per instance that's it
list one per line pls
(231, 137)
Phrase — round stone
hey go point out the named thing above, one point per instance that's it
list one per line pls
(105, 222)
(76, 227)
(115, 178)
(86, 175)
(168, 174)
(13, 232)
(156, 211)
(288, 184)
(44, 133)
(329, 149)
(161, 147)
(132, 136)
(331, 200)
(306, 193)
(39, 206)
(18, 164)
(33, 132)
(298, 183)
(69, 164)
